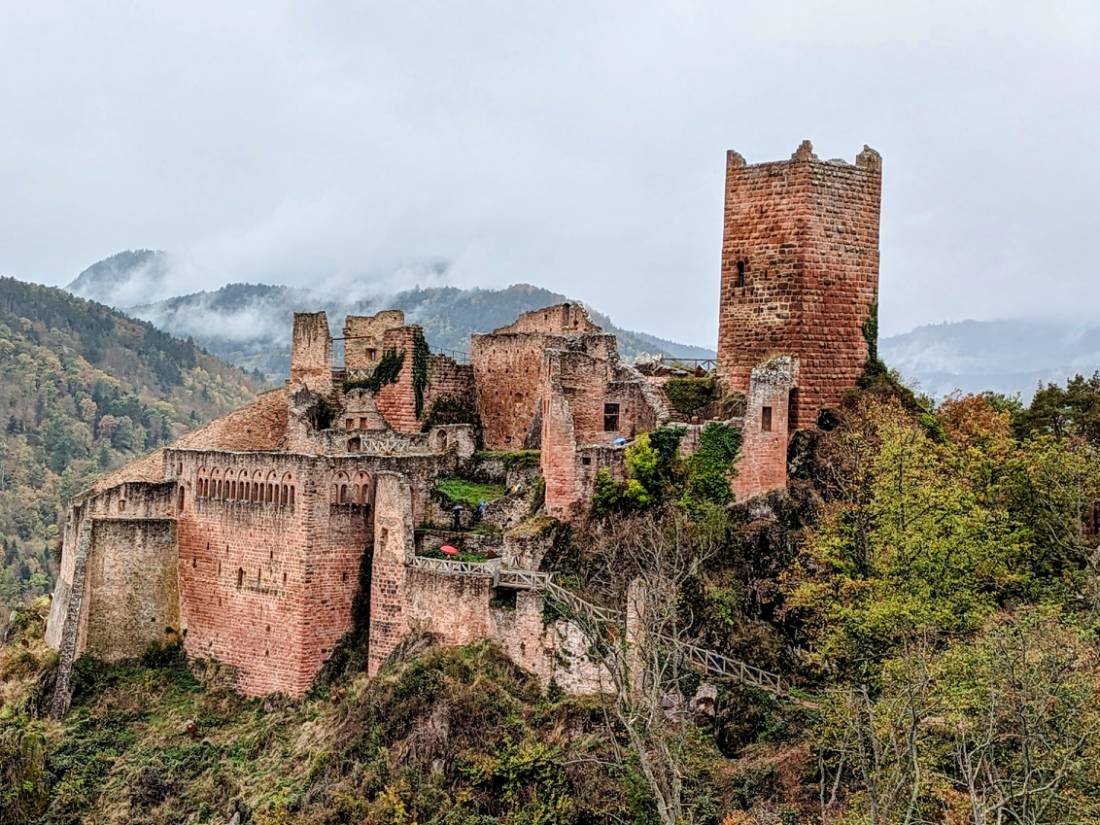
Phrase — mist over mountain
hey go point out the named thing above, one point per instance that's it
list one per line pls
(131, 277)
(249, 324)
(1009, 356)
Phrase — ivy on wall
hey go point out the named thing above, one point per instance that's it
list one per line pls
(386, 372)
(873, 367)
(419, 369)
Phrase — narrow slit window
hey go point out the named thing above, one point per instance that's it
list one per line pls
(740, 273)
(766, 419)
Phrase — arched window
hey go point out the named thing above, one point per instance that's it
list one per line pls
(291, 495)
(343, 499)
(182, 498)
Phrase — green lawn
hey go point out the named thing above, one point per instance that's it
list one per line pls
(468, 493)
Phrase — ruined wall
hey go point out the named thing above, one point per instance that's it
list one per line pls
(558, 458)
(139, 500)
(799, 271)
(361, 413)
(508, 387)
(588, 402)
(451, 380)
(394, 544)
(763, 462)
(509, 373)
(311, 352)
(364, 338)
(458, 608)
(271, 547)
(342, 539)
(245, 534)
(565, 318)
(133, 595)
(397, 401)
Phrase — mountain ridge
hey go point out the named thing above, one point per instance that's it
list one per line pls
(248, 324)
(1009, 355)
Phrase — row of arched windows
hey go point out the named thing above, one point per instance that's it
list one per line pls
(255, 490)
(352, 490)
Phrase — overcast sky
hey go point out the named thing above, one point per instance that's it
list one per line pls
(575, 145)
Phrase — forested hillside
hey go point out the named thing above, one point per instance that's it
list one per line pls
(84, 389)
(928, 588)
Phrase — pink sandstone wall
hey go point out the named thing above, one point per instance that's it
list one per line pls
(311, 352)
(763, 463)
(393, 547)
(805, 233)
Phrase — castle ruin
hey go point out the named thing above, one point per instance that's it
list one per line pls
(266, 536)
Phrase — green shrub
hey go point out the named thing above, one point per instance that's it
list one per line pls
(689, 395)
(608, 494)
(708, 476)
(538, 494)
(643, 464)
(23, 777)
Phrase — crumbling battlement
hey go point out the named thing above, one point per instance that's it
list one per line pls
(509, 374)
(311, 352)
(365, 338)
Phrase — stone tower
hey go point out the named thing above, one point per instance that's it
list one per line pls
(799, 272)
(311, 352)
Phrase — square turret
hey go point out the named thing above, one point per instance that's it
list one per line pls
(800, 265)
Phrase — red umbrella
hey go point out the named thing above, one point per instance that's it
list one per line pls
(447, 550)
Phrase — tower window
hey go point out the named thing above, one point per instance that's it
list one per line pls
(610, 418)
(740, 273)
(766, 419)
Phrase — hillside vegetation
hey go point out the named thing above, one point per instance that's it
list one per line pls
(84, 389)
(929, 588)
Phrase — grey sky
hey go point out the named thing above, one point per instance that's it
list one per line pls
(575, 145)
